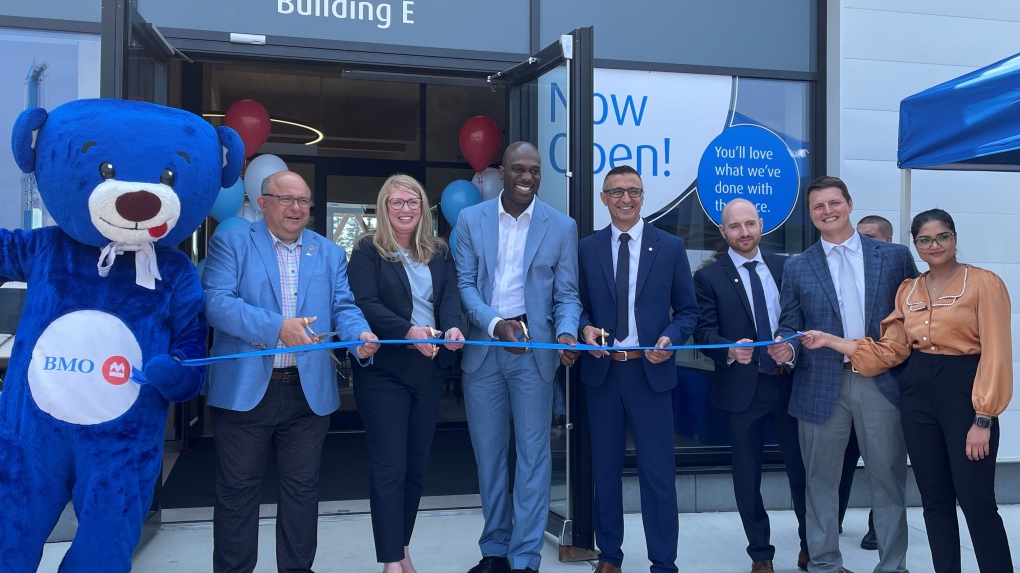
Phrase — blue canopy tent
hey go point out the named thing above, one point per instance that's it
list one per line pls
(970, 123)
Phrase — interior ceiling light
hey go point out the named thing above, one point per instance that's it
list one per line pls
(319, 136)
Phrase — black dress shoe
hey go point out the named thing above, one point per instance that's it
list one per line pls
(525, 570)
(870, 541)
(491, 565)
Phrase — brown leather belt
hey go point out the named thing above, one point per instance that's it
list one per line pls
(621, 356)
(776, 372)
(285, 375)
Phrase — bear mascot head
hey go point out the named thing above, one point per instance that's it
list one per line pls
(96, 358)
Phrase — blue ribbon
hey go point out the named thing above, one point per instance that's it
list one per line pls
(498, 343)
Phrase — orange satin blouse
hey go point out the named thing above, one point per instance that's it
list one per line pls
(972, 316)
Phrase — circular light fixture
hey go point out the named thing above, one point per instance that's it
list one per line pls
(319, 136)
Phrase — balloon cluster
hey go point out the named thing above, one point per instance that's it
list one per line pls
(480, 140)
(251, 121)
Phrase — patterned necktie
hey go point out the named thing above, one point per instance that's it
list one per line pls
(761, 316)
(853, 315)
(623, 289)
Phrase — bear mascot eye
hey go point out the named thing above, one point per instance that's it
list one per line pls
(167, 178)
(106, 170)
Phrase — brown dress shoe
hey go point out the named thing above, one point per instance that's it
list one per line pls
(605, 567)
(803, 560)
(763, 566)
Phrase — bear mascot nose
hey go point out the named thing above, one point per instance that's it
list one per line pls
(138, 206)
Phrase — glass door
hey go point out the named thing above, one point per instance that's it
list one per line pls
(133, 64)
(549, 103)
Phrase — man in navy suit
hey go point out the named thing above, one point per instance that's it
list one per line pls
(267, 286)
(845, 284)
(631, 276)
(739, 299)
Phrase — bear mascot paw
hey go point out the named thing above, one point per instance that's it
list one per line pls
(111, 310)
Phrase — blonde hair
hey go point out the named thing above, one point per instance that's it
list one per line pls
(423, 245)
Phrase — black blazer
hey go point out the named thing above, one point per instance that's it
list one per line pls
(725, 318)
(383, 293)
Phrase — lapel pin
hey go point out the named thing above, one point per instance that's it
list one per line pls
(736, 280)
(649, 248)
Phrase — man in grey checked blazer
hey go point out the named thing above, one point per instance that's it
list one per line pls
(845, 284)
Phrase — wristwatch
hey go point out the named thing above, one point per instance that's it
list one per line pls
(982, 421)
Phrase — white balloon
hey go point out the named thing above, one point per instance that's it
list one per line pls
(249, 212)
(261, 167)
(488, 183)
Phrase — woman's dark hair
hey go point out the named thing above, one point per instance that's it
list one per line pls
(928, 216)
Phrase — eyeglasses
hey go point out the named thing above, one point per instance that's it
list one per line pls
(924, 242)
(617, 192)
(287, 200)
(398, 204)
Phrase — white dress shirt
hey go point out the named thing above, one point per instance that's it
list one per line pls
(508, 279)
(634, 248)
(855, 252)
(768, 283)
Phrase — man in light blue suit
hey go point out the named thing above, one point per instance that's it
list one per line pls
(517, 273)
(845, 284)
(266, 286)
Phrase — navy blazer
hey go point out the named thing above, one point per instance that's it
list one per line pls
(725, 318)
(810, 302)
(383, 292)
(663, 284)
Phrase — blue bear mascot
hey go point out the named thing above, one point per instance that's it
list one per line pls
(111, 309)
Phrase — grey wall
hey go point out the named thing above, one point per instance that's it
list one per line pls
(80, 10)
(774, 35)
(454, 24)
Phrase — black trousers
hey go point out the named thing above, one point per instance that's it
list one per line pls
(283, 422)
(747, 435)
(935, 399)
(399, 414)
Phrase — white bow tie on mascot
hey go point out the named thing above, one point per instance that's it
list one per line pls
(78, 421)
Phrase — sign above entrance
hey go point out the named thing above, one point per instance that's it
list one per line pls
(445, 24)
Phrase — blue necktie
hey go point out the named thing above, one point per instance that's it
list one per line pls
(623, 289)
(761, 316)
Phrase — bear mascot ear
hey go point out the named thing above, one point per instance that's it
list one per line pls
(23, 137)
(233, 154)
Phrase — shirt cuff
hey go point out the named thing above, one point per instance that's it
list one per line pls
(789, 363)
(492, 327)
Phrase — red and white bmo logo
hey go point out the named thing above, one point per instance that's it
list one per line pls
(81, 368)
(116, 370)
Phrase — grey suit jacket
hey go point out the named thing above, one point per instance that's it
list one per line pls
(550, 279)
(243, 305)
(809, 302)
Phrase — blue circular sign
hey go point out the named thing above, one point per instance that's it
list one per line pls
(749, 162)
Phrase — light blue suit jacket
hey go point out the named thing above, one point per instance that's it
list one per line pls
(242, 297)
(550, 279)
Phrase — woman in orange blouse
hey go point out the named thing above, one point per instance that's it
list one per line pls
(952, 327)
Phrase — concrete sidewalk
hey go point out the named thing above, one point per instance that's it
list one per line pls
(446, 542)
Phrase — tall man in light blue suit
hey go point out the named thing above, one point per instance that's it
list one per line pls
(517, 273)
(844, 284)
(269, 285)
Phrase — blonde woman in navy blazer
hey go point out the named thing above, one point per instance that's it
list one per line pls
(405, 282)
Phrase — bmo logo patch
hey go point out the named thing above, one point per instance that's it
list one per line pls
(81, 368)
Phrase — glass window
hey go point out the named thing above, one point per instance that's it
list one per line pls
(43, 69)
(448, 107)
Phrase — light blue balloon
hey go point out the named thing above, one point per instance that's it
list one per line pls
(230, 223)
(453, 240)
(457, 195)
(200, 267)
(228, 202)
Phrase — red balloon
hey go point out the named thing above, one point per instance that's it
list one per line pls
(251, 121)
(480, 139)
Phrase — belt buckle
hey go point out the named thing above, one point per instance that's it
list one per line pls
(625, 356)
